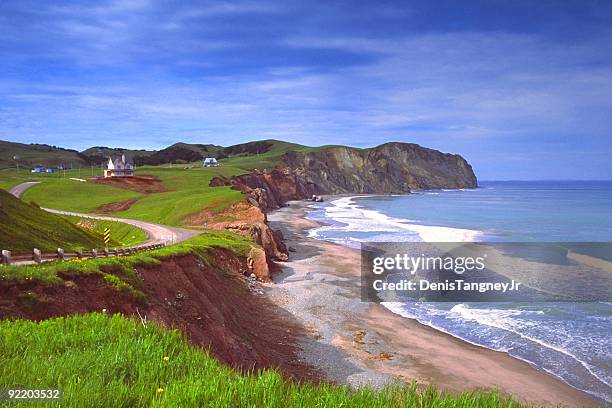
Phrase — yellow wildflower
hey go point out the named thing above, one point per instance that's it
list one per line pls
(160, 391)
(166, 359)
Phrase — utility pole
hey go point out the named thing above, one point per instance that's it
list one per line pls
(16, 158)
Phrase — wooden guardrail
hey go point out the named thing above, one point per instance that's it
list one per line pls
(38, 257)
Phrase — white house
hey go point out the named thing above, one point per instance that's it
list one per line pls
(210, 162)
(119, 168)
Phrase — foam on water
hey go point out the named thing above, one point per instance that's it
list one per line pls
(348, 216)
(570, 341)
(508, 330)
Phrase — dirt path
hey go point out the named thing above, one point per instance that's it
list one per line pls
(156, 233)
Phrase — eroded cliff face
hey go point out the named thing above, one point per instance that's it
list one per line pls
(386, 169)
(250, 221)
(271, 189)
(392, 168)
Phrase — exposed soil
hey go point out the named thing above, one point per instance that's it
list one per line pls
(141, 184)
(248, 220)
(77, 293)
(239, 211)
(116, 206)
(271, 189)
(214, 305)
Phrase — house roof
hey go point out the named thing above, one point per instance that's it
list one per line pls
(119, 162)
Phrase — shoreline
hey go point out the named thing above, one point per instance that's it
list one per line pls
(359, 343)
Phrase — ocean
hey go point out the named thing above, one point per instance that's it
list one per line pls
(572, 341)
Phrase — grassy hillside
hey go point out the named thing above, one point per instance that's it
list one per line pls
(30, 155)
(122, 235)
(179, 153)
(138, 366)
(24, 227)
(9, 178)
(100, 154)
(260, 153)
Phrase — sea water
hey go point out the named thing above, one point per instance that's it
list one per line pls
(572, 341)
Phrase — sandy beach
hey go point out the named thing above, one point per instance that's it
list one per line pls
(360, 343)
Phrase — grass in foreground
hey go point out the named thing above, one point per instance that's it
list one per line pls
(104, 361)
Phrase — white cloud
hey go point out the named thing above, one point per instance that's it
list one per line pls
(145, 70)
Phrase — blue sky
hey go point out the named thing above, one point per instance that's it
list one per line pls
(522, 89)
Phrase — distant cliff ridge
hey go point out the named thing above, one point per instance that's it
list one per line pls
(389, 168)
(392, 168)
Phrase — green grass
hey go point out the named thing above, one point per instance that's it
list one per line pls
(173, 208)
(9, 178)
(189, 194)
(122, 234)
(24, 227)
(113, 361)
(9, 181)
(123, 266)
(271, 158)
(267, 160)
(77, 196)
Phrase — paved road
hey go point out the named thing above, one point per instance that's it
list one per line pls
(19, 189)
(156, 233)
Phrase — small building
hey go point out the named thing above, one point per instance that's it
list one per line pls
(210, 162)
(41, 169)
(119, 167)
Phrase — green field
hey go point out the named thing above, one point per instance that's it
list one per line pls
(77, 196)
(113, 361)
(189, 193)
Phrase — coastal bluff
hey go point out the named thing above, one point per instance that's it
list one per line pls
(386, 169)
(391, 168)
